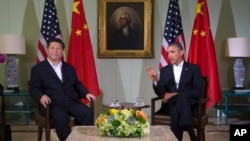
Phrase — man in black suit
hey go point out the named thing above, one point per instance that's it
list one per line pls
(180, 85)
(55, 82)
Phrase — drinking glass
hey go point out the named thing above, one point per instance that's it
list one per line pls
(139, 101)
(112, 102)
(116, 102)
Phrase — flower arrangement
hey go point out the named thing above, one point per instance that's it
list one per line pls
(123, 123)
(2, 58)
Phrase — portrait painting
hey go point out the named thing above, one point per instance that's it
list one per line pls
(125, 29)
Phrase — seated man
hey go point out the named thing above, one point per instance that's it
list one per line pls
(180, 85)
(55, 82)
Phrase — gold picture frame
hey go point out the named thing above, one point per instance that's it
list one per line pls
(133, 41)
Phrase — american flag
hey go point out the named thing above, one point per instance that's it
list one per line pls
(173, 31)
(50, 28)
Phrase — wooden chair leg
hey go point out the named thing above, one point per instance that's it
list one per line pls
(199, 133)
(47, 132)
(40, 133)
(203, 134)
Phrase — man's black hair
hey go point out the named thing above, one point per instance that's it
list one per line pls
(177, 44)
(56, 40)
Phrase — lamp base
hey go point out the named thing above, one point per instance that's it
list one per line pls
(238, 88)
(15, 89)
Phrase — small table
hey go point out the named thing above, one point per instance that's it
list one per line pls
(25, 109)
(128, 105)
(227, 95)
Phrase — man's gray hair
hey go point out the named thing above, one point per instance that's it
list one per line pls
(127, 15)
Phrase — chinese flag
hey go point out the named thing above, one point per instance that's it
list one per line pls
(80, 53)
(202, 51)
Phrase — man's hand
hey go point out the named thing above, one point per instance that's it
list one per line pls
(167, 96)
(45, 100)
(90, 97)
(152, 74)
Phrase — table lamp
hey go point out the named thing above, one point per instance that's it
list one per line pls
(11, 45)
(238, 47)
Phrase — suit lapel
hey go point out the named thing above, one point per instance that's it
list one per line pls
(172, 78)
(51, 71)
(184, 72)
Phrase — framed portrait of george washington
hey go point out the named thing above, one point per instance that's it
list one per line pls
(125, 29)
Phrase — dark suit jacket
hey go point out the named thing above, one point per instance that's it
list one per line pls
(119, 41)
(190, 82)
(44, 80)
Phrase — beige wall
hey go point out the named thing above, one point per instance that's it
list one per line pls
(126, 78)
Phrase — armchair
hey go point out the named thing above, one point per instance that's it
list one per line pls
(200, 121)
(46, 123)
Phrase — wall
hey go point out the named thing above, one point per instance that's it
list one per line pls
(126, 78)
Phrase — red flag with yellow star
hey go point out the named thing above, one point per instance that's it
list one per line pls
(80, 53)
(202, 51)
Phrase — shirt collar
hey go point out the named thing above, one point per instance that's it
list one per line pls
(59, 64)
(180, 65)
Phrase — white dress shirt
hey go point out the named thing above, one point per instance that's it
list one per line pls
(58, 69)
(177, 73)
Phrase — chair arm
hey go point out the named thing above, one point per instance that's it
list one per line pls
(202, 107)
(153, 100)
(47, 110)
(156, 98)
(204, 100)
(92, 105)
(47, 116)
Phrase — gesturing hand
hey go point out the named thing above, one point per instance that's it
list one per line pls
(152, 74)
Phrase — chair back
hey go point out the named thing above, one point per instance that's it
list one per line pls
(204, 97)
(2, 114)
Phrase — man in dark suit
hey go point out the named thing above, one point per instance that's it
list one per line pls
(55, 82)
(180, 85)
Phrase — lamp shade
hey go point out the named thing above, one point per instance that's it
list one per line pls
(12, 44)
(238, 47)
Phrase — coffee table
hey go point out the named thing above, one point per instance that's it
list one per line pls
(90, 133)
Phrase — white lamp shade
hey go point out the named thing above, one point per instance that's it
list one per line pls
(238, 47)
(12, 44)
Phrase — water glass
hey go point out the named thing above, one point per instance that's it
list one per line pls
(115, 102)
(139, 101)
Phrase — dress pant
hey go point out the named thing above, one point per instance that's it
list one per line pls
(180, 109)
(60, 116)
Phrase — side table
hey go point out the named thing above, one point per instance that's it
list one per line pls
(128, 105)
(25, 109)
(227, 95)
